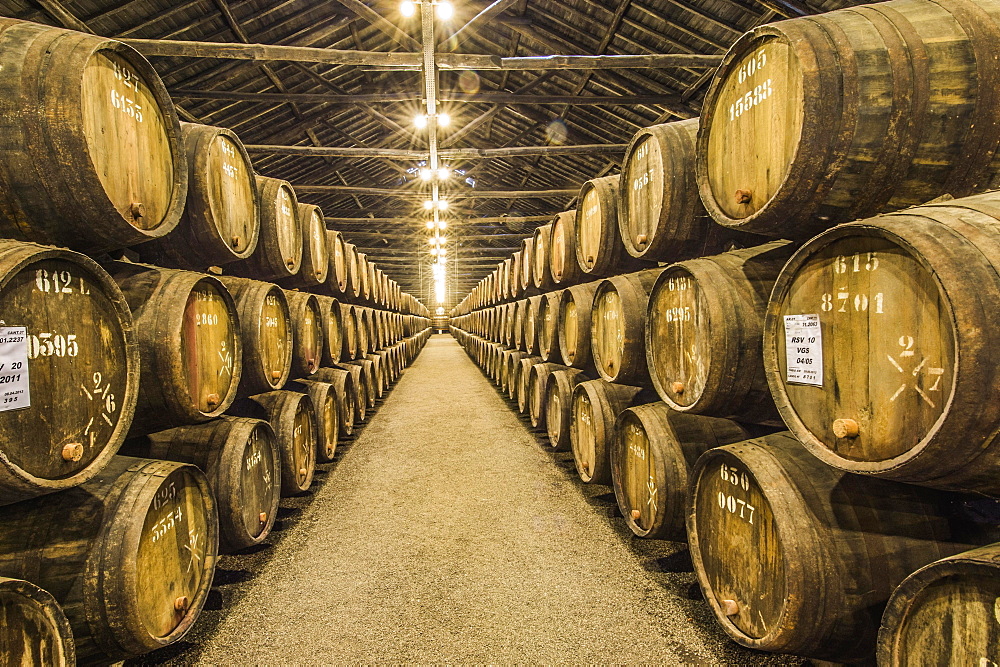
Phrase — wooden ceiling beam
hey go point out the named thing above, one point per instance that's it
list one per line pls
(393, 98)
(450, 153)
(476, 194)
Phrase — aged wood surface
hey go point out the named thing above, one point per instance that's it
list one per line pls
(107, 170)
(280, 245)
(596, 406)
(266, 331)
(559, 405)
(797, 557)
(617, 327)
(33, 628)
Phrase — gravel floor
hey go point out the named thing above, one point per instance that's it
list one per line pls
(447, 533)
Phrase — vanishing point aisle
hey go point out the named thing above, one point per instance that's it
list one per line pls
(447, 534)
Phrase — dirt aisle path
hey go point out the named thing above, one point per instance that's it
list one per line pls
(447, 534)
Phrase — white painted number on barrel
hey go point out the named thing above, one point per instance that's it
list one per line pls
(126, 101)
(758, 94)
(15, 391)
(733, 479)
(803, 350)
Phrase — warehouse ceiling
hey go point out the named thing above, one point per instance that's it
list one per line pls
(572, 123)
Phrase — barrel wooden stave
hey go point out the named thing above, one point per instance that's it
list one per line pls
(861, 110)
(538, 377)
(326, 404)
(331, 318)
(617, 327)
(315, 264)
(307, 333)
(600, 251)
(945, 613)
(563, 266)
(901, 367)
(82, 370)
(137, 548)
(346, 394)
(559, 405)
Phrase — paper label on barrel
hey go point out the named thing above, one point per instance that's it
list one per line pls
(14, 390)
(803, 350)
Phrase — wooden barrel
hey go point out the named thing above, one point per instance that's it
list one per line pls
(266, 332)
(69, 378)
(527, 264)
(548, 325)
(652, 452)
(617, 327)
(704, 333)
(515, 275)
(888, 324)
(523, 376)
(509, 375)
(596, 406)
(520, 315)
(221, 220)
(346, 394)
(661, 216)
(531, 324)
(363, 318)
(92, 150)
(538, 377)
(129, 556)
(575, 316)
(315, 252)
(541, 271)
(279, 247)
(241, 460)
(359, 281)
(599, 248)
(945, 613)
(190, 346)
(33, 628)
(559, 405)
(350, 266)
(337, 274)
(563, 266)
(383, 369)
(796, 557)
(349, 332)
(809, 123)
(292, 415)
(369, 381)
(326, 405)
(330, 319)
(307, 333)
(360, 407)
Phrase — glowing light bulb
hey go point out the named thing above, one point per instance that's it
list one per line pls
(442, 224)
(408, 8)
(443, 120)
(431, 240)
(434, 251)
(420, 121)
(430, 224)
(444, 173)
(426, 174)
(445, 10)
(428, 204)
(442, 252)
(442, 205)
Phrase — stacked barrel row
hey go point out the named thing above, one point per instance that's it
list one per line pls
(860, 530)
(159, 395)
